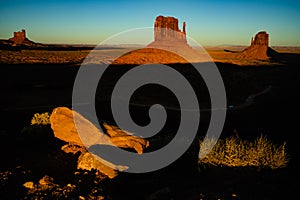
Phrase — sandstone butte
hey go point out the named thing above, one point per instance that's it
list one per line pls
(259, 48)
(20, 38)
(169, 46)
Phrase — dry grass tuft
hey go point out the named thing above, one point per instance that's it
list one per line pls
(40, 119)
(235, 152)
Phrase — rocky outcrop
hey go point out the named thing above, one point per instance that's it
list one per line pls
(125, 139)
(169, 46)
(19, 41)
(259, 48)
(89, 161)
(167, 35)
(19, 37)
(64, 128)
(261, 39)
(166, 29)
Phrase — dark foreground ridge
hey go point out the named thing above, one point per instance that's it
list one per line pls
(38, 161)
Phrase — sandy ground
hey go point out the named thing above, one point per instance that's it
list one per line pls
(106, 56)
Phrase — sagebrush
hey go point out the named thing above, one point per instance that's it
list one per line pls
(235, 152)
(40, 119)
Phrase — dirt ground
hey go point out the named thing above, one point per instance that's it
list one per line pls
(28, 87)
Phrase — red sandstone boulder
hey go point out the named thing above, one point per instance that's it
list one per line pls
(64, 128)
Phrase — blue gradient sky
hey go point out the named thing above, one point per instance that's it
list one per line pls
(210, 22)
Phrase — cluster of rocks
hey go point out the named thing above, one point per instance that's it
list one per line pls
(64, 128)
(47, 188)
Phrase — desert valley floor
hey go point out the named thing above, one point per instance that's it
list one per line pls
(37, 81)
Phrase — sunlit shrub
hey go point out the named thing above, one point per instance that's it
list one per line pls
(235, 152)
(40, 119)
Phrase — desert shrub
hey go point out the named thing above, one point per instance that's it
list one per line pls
(40, 119)
(38, 133)
(235, 152)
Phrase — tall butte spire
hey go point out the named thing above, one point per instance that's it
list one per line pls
(19, 37)
(169, 46)
(167, 35)
(166, 29)
(259, 48)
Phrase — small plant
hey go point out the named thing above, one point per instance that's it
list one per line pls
(235, 152)
(40, 119)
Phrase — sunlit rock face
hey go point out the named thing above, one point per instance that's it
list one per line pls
(169, 46)
(166, 29)
(19, 37)
(259, 48)
(261, 38)
(84, 134)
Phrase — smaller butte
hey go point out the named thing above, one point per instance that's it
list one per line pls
(259, 48)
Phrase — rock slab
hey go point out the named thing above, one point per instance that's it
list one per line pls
(64, 127)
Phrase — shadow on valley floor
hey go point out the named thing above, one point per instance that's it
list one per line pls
(28, 89)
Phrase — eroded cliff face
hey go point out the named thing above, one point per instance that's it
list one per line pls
(261, 38)
(259, 48)
(20, 40)
(166, 28)
(169, 46)
(19, 37)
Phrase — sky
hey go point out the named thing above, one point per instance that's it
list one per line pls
(209, 22)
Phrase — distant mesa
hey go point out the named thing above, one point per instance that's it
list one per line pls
(166, 30)
(168, 36)
(259, 48)
(19, 41)
(169, 45)
(19, 37)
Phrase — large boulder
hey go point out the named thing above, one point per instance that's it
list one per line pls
(63, 125)
(125, 139)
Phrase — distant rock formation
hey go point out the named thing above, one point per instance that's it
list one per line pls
(259, 48)
(166, 29)
(19, 37)
(168, 35)
(19, 41)
(261, 38)
(169, 46)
